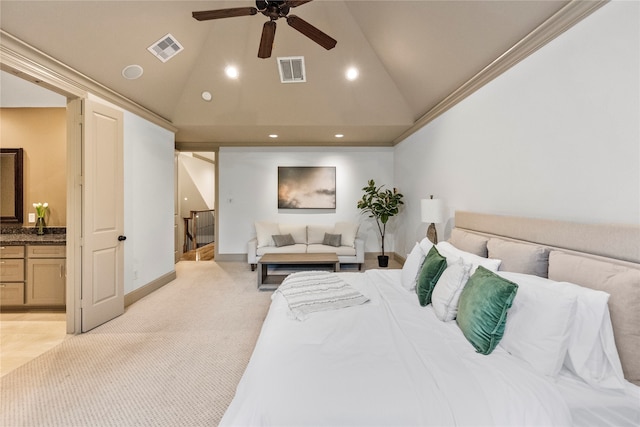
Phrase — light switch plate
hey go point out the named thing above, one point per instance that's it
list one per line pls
(32, 217)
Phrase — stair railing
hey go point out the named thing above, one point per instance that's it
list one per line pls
(199, 229)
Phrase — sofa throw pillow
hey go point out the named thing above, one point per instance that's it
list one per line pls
(264, 231)
(297, 231)
(332, 239)
(283, 240)
(482, 309)
(433, 266)
(348, 231)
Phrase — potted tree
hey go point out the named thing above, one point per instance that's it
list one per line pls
(381, 205)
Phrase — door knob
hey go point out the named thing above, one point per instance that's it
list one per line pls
(121, 238)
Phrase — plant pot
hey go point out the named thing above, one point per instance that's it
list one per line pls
(383, 260)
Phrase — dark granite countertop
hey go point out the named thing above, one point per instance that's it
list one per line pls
(28, 236)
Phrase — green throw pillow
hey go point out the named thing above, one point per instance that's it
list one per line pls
(482, 309)
(433, 266)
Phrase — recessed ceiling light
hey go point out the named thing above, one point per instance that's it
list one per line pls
(132, 72)
(352, 73)
(206, 95)
(232, 72)
(273, 135)
(339, 135)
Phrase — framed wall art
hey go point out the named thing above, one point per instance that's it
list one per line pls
(306, 187)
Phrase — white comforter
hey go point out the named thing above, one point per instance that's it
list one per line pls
(387, 362)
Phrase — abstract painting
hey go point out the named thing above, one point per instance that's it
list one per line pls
(307, 187)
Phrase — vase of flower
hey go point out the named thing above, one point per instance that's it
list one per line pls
(40, 225)
(41, 210)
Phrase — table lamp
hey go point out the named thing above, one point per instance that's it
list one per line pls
(431, 211)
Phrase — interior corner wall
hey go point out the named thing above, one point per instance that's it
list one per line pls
(248, 181)
(557, 136)
(149, 202)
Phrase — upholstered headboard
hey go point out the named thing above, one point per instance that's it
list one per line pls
(597, 256)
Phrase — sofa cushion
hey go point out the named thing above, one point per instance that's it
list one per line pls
(298, 248)
(332, 240)
(315, 233)
(298, 231)
(340, 250)
(264, 231)
(283, 240)
(348, 231)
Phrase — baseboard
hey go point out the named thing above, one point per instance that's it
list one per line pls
(150, 287)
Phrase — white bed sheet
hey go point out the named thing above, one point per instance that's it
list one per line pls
(599, 407)
(386, 362)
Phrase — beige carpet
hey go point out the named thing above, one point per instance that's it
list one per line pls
(173, 359)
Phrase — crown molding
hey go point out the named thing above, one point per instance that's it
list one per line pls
(25, 61)
(561, 21)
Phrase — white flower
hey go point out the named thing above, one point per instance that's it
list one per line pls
(41, 209)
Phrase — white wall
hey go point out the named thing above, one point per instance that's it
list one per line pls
(149, 201)
(197, 180)
(557, 136)
(248, 189)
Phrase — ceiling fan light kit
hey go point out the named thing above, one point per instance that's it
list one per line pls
(273, 9)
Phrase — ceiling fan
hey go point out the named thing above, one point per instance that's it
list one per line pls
(273, 9)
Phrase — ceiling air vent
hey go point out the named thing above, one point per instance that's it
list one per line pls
(292, 69)
(165, 48)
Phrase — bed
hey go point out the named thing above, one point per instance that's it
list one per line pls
(555, 343)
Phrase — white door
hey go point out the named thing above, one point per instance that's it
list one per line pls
(103, 215)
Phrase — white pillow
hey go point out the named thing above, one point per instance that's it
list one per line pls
(426, 245)
(450, 252)
(264, 231)
(412, 267)
(447, 292)
(348, 231)
(592, 353)
(539, 322)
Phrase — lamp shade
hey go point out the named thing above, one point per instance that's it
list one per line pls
(431, 210)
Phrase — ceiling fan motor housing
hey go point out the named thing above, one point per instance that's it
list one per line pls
(274, 9)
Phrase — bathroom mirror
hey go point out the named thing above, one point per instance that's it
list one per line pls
(11, 207)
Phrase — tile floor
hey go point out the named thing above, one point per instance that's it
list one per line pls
(25, 336)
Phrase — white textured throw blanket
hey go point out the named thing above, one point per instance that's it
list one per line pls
(310, 291)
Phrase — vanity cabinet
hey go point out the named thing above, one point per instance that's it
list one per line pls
(46, 275)
(32, 276)
(11, 275)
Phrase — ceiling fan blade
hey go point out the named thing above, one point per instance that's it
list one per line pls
(296, 3)
(312, 32)
(224, 13)
(266, 41)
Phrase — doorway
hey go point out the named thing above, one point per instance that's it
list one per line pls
(39, 126)
(196, 225)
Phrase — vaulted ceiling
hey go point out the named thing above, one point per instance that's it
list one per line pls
(411, 55)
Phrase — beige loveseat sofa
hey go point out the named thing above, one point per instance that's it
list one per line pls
(297, 238)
